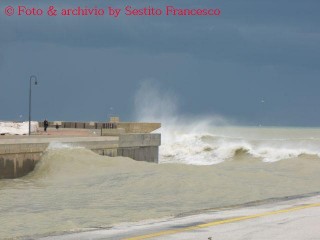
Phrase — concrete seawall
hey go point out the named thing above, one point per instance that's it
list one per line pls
(19, 155)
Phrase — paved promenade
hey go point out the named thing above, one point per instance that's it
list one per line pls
(61, 135)
(52, 132)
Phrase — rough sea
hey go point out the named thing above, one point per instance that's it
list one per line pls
(74, 189)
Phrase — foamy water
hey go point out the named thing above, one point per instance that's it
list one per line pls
(204, 167)
(224, 143)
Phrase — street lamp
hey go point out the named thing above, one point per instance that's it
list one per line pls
(35, 81)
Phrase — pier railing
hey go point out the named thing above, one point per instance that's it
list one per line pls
(128, 127)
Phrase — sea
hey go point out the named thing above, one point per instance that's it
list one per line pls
(74, 189)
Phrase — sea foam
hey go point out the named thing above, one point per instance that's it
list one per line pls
(213, 139)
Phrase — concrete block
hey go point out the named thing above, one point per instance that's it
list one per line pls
(79, 125)
(132, 140)
(147, 154)
(132, 127)
(110, 152)
(112, 131)
(89, 125)
(6, 168)
(17, 165)
(72, 125)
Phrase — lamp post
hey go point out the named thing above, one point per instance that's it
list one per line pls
(34, 78)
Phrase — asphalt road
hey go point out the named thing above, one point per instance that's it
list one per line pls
(286, 219)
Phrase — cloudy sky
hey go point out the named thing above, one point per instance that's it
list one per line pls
(256, 63)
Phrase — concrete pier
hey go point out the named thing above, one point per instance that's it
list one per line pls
(20, 154)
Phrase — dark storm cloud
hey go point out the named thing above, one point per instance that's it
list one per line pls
(253, 32)
(226, 64)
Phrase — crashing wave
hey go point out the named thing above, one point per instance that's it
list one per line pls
(206, 149)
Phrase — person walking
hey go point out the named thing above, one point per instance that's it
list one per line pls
(45, 125)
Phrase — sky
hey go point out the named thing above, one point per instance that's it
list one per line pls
(258, 63)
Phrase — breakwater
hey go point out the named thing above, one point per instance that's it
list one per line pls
(19, 155)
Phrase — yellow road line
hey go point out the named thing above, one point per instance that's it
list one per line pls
(231, 220)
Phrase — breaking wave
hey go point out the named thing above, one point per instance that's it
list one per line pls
(67, 164)
(208, 149)
(213, 139)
